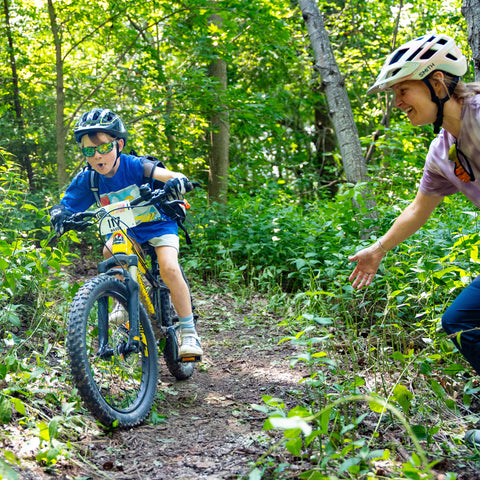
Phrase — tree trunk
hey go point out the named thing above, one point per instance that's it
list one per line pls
(220, 134)
(337, 98)
(60, 96)
(471, 12)
(21, 149)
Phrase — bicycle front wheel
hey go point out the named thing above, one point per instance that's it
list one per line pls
(115, 386)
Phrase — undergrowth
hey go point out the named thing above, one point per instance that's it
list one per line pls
(387, 394)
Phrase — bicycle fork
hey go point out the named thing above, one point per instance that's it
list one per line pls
(130, 275)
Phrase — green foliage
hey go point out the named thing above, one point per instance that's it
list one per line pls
(287, 231)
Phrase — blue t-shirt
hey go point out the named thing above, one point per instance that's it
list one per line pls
(124, 185)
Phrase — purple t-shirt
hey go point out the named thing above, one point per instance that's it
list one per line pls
(439, 178)
(122, 186)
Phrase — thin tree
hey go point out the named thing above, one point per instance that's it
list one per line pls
(339, 105)
(21, 149)
(219, 132)
(471, 12)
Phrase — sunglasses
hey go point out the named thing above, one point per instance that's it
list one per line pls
(462, 169)
(104, 148)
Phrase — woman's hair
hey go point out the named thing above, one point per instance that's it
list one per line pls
(462, 90)
(465, 90)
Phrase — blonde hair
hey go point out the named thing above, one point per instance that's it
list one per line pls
(465, 90)
(462, 90)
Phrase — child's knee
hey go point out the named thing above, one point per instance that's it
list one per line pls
(170, 271)
(107, 249)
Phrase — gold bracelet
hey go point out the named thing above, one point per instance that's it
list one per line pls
(381, 247)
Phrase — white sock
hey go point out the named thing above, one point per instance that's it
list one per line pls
(187, 324)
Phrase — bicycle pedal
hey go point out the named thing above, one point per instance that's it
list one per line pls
(191, 358)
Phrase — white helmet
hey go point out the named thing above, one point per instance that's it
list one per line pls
(418, 58)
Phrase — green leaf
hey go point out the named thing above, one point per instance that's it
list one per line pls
(403, 396)
(43, 431)
(420, 431)
(19, 405)
(315, 475)
(294, 446)
(376, 407)
(53, 428)
(347, 464)
(255, 474)
(5, 411)
(437, 388)
(7, 472)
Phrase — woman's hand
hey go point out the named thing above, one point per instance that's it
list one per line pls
(368, 260)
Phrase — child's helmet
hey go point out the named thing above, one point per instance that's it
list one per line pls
(418, 58)
(100, 120)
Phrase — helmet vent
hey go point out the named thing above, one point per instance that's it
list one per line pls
(414, 54)
(427, 54)
(394, 72)
(398, 56)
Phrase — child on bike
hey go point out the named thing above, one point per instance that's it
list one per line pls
(102, 137)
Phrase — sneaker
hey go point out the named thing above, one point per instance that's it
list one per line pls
(190, 346)
(472, 437)
(118, 315)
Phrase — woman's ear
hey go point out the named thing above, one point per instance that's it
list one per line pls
(437, 80)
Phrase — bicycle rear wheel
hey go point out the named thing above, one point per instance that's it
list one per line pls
(113, 386)
(180, 370)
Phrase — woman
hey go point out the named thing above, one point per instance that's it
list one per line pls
(424, 75)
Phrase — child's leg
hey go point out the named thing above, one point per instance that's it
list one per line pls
(173, 278)
(180, 295)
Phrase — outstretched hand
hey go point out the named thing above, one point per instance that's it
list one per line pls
(368, 260)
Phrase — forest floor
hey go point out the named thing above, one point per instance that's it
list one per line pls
(210, 430)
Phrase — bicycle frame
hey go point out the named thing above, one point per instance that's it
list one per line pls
(127, 260)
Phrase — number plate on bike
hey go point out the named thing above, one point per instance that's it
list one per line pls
(117, 216)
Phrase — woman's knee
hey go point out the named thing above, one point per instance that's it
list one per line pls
(450, 319)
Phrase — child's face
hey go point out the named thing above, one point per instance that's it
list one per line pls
(104, 164)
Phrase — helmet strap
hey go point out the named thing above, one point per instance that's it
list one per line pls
(118, 156)
(440, 102)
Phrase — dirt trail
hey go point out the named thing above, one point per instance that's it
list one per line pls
(211, 430)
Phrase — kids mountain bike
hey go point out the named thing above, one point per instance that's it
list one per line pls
(114, 318)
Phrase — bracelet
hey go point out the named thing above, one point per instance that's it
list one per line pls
(381, 247)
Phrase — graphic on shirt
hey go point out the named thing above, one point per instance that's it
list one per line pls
(142, 214)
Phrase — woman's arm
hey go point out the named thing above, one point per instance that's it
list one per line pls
(408, 222)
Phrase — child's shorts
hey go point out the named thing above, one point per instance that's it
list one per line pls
(167, 240)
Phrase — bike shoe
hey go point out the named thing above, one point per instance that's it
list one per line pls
(190, 346)
(118, 315)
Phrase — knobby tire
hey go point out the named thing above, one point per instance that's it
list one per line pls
(114, 387)
(169, 317)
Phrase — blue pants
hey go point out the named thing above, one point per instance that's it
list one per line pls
(463, 315)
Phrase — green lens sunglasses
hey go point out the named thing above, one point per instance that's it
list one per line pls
(104, 148)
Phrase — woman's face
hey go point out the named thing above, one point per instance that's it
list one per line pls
(413, 98)
(105, 164)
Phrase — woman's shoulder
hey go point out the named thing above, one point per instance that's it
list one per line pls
(472, 102)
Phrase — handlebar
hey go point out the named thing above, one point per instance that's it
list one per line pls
(79, 221)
